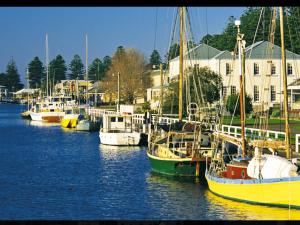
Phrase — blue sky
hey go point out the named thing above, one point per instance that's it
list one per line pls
(23, 30)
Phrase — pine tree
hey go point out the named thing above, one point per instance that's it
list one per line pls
(3, 79)
(13, 77)
(77, 68)
(36, 70)
(57, 70)
(106, 63)
(96, 70)
(155, 59)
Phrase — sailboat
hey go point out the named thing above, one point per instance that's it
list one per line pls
(265, 179)
(47, 110)
(181, 151)
(84, 124)
(26, 114)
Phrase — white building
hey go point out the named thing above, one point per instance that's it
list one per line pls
(263, 78)
(153, 93)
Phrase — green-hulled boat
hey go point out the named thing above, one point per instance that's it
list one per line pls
(182, 151)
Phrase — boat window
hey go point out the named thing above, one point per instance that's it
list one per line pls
(120, 119)
(113, 119)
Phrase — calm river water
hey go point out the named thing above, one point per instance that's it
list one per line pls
(48, 173)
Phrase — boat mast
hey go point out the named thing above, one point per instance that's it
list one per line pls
(241, 50)
(180, 89)
(161, 90)
(285, 101)
(86, 67)
(47, 64)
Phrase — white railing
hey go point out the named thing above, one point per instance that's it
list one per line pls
(236, 132)
(297, 142)
(138, 118)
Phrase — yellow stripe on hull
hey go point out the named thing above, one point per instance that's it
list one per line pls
(65, 122)
(73, 123)
(267, 192)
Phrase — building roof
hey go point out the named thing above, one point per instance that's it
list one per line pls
(223, 55)
(259, 50)
(202, 51)
(26, 91)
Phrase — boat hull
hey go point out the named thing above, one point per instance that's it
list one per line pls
(119, 139)
(83, 125)
(283, 192)
(26, 115)
(186, 167)
(69, 121)
(47, 116)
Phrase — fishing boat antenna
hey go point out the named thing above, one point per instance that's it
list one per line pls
(86, 67)
(180, 89)
(241, 51)
(47, 65)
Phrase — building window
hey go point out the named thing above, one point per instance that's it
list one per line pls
(273, 69)
(233, 90)
(289, 69)
(228, 69)
(224, 91)
(256, 93)
(256, 69)
(273, 93)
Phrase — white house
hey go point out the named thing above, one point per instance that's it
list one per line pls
(263, 78)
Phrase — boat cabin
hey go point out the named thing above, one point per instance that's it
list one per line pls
(117, 123)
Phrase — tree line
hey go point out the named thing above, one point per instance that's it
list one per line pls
(130, 63)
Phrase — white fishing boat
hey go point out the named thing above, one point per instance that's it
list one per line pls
(47, 111)
(118, 129)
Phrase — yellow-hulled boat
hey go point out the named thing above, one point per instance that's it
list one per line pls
(282, 192)
(265, 179)
(69, 120)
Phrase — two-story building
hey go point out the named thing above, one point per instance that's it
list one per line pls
(263, 72)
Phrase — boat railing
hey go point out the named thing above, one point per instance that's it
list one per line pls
(118, 130)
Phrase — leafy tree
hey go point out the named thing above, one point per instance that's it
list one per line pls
(77, 68)
(133, 76)
(13, 77)
(36, 70)
(96, 70)
(210, 84)
(155, 59)
(57, 70)
(207, 83)
(231, 103)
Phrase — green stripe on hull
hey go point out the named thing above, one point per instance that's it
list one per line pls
(177, 168)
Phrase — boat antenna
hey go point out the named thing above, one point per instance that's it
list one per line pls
(180, 89)
(86, 66)
(47, 64)
(284, 79)
(241, 51)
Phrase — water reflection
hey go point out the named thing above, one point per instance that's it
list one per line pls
(175, 197)
(234, 210)
(43, 124)
(109, 152)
